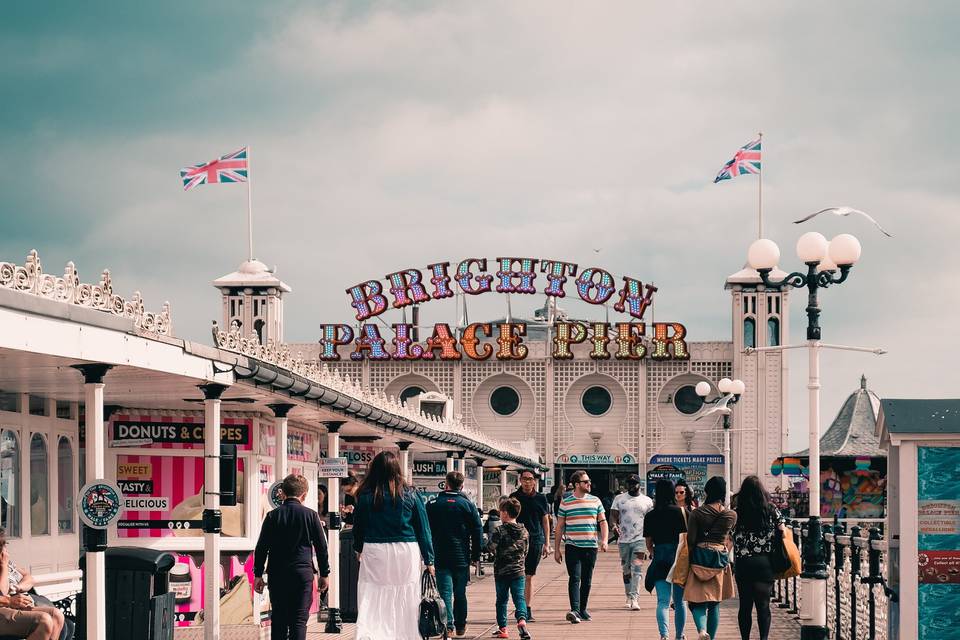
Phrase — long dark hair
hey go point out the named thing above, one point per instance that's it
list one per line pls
(753, 505)
(663, 494)
(384, 478)
(687, 494)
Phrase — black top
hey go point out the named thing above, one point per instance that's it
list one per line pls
(455, 527)
(349, 501)
(759, 541)
(532, 510)
(289, 535)
(664, 525)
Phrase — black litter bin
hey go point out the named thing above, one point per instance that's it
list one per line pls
(139, 602)
(349, 574)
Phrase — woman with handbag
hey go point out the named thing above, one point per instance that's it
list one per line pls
(759, 525)
(710, 578)
(663, 529)
(391, 535)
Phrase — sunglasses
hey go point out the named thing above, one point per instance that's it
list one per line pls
(679, 492)
(586, 482)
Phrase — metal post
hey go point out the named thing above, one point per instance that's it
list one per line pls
(280, 450)
(726, 457)
(212, 518)
(503, 482)
(874, 577)
(95, 540)
(814, 577)
(333, 541)
(837, 571)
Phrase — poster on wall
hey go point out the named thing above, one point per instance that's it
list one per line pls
(938, 544)
(163, 496)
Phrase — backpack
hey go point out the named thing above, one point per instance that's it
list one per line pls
(433, 612)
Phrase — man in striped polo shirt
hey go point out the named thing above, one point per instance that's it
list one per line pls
(579, 522)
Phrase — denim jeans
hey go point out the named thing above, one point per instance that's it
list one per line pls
(580, 563)
(452, 585)
(706, 615)
(664, 591)
(506, 587)
(631, 566)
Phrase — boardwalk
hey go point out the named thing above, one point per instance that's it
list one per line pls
(610, 619)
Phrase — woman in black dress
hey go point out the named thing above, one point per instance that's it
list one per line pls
(758, 521)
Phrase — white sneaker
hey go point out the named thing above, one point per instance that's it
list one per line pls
(629, 603)
(573, 617)
(635, 604)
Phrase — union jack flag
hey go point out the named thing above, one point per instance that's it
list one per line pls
(746, 160)
(229, 168)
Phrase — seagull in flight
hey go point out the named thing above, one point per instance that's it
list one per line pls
(844, 211)
(719, 407)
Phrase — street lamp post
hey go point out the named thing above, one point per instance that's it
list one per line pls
(730, 390)
(822, 260)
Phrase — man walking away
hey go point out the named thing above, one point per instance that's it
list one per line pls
(290, 536)
(580, 521)
(509, 547)
(534, 516)
(455, 524)
(626, 514)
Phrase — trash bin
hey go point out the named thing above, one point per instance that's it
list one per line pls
(139, 602)
(349, 574)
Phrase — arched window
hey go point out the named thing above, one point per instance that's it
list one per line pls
(65, 490)
(749, 332)
(10, 483)
(773, 332)
(410, 392)
(39, 487)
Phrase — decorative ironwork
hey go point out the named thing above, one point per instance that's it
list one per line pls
(320, 373)
(68, 289)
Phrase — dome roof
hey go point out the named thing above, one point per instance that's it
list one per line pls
(254, 274)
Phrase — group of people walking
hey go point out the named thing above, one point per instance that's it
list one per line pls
(397, 536)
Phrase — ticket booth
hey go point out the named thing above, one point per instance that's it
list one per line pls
(922, 438)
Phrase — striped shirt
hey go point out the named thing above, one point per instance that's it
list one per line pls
(581, 520)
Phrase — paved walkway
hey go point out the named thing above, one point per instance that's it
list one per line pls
(610, 619)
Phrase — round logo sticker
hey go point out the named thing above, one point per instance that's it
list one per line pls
(275, 493)
(99, 503)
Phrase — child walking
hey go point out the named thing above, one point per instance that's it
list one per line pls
(508, 544)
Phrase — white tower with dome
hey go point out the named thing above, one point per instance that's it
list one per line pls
(253, 301)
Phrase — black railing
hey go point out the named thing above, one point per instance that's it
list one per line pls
(857, 591)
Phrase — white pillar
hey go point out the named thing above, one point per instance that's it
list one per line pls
(503, 482)
(96, 563)
(450, 466)
(405, 462)
(211, 505)
(726, 458)
(333, 536)
(813, 611)
(814, 464)
(480, 462)
(462, 463)
(281, 411)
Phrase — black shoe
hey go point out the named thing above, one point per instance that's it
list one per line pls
(530, 617)
(584, 616)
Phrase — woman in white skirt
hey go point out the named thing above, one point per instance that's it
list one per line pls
(391, 536)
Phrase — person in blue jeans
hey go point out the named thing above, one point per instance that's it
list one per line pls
(661, 530)
(509, 545)
(456, 528)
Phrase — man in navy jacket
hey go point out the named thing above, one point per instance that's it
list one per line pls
(455, 524)
(291, 535)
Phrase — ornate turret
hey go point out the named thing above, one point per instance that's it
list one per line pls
(253, 301)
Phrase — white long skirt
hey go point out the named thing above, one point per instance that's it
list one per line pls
(388, 592)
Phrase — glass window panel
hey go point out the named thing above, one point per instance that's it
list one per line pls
(63, 409)
(65, 489)
(10, 483)
(38, 406)
(9, 402)
(773, 332)
(505, 401)
(39, 487)
(749, 333)
(596, 401)
(687, 401)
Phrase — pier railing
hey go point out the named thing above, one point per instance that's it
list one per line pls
(857, 593)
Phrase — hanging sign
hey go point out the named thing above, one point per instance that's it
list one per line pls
(99, 503)
(622, 340)
(332, 468)
(595, 458)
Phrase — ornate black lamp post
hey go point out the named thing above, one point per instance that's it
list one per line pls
(822, 259)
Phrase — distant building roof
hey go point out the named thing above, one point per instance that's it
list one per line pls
(251, 273)
(853, 431)
(921, 416)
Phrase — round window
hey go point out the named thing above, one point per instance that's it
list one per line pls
(410, 392)
(687, 401)
(505, 401)
(596, 401)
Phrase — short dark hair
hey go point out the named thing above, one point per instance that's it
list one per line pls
(294, 486)
(455, 480)
(511, 506)
(530, 471)
(577, 475)
(716, 489)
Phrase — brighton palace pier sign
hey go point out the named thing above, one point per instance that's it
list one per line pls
(621, 340)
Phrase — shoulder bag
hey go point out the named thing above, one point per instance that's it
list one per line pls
(789, 565)
(433, 612)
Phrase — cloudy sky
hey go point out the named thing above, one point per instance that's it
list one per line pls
(392, 135)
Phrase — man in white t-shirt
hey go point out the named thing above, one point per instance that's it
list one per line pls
(626, 514)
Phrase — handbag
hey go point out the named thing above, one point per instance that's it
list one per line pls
(779, 561)
(681, 563)
(791, 552)
(433, 612)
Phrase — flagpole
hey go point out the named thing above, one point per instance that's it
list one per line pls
(760, 190)
(249, 208)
